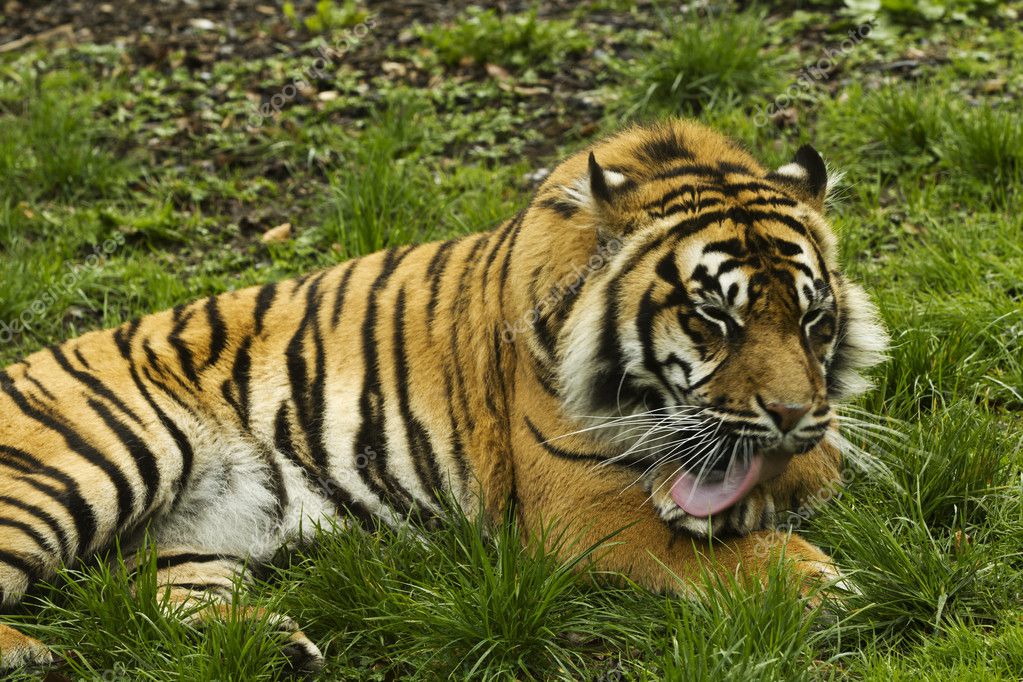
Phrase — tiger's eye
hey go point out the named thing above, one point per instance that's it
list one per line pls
(719, 317)
(820, 325)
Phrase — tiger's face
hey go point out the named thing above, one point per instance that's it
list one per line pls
(717, 338)
(738, 322)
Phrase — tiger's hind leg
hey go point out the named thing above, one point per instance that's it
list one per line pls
(207, 582)
(18, 650)
(28, 551)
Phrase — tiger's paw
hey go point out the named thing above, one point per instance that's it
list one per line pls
(21, 651)
(304, 657)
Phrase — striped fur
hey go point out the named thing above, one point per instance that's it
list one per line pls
(662, 268)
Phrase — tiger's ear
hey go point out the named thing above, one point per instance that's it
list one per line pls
(603, 193)
(606, 192)
(599, 188)
(806, 175)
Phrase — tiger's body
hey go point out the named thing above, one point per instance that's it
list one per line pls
(369, 391)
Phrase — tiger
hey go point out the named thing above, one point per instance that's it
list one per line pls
(654, 347)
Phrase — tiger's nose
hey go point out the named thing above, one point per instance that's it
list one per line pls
(786, 415)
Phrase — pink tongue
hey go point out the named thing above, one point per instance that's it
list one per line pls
(712, 497)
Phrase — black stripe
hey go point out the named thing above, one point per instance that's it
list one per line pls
(342, 500)
(702, 203)
(165, 561)
(420, 449)
(125, 496)
(435, 273)
(15, 560)
(275, 482)
(690, 226)
(502, 236)
(285, 444)
(459, 307)
(562, 453)
(184, 353)
(135, 444)
(692, 170)
(339, 295)
(39, 387)
(645, 317)
(787, 220)
(608, 375)
(545, 375)
(45, 548)
(123, 338)
(241, 375)
(497, 385)
(733, 188)
(307, 392)
(218, 330)
(564, 208)
(676, 193)
(81, 359)
(46, 518)
(506, 265)
(541, 330)
(736, 169)
(157, 364)
(371, 439)
(70, 498)
(94, 384)
(665, 147)
(264, 300)
(770, 201)
(457, 449)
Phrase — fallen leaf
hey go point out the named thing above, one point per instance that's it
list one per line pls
(530, 91)
(992, 85)
(394, 68)
(202, 24)
(278, 234)
(498, 72)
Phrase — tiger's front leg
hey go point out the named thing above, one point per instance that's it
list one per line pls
(809, 481)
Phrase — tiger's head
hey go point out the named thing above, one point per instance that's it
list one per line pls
(718, 330)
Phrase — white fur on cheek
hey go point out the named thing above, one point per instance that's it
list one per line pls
(863, 344)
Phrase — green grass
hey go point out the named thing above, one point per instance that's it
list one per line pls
(50, 147)
(482, 36)
(704, 62)
(114, 204)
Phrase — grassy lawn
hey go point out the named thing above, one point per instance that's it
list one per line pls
(150, 158)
